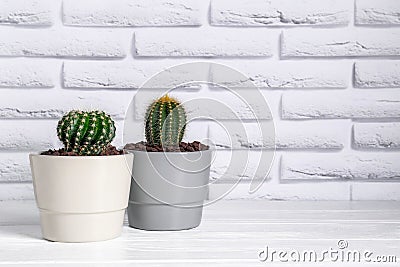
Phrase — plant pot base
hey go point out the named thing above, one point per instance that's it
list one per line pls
(163, 217)
(81, 227)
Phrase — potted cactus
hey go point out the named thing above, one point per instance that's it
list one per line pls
(82, 189)
(170, 177)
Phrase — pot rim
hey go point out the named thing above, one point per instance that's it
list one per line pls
(76, 157)
(168, 152)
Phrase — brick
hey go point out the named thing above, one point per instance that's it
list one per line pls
(103, 75)
(238, 165)
(43, 104)
(279, 12)
(271, 191)
(377, 12)
(344, 105)
(132, 75)
(203, 43)
(21, 73)
(377, 74)
(14, 167)
(283, 74)
(205, 105)
(243, 135)
(289, 135)
(376, 191)
(377, 135)
(311, 135)
(28, 136)
(132, 13)
(16, 191)
(61, 43)
(340, 42)
(341, 167)
(27, 12)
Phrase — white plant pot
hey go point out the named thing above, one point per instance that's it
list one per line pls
(81, 199)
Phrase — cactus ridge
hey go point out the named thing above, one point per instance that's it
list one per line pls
(86, 133)
(165, 122)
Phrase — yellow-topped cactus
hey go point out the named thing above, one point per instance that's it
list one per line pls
(165, 122)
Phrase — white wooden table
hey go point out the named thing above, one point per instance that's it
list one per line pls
(232, 234)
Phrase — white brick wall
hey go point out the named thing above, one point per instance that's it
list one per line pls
(60, 43)
(372, 12)
(377, 135)
(377, 74)
(280, 12)
(14, 168)
(27, 12)
(132, 13)
(19, 73)
(288, 74)
(341, 167)
(308, 135)
(341, 43)
(328, 69)
(53, 103)
(203, 43)
(346, 105)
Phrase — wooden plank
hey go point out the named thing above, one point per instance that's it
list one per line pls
(232, 234)
(252, 211)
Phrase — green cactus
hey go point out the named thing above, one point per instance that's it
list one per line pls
(165, 122)
(86, 133)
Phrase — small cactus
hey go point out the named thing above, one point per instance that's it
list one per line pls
(86, 133)
(165, 122)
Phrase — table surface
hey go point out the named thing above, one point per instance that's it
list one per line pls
(232, 233)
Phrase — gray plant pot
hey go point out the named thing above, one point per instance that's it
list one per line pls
(168, 189)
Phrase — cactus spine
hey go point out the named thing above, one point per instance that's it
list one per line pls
(165, 122)
(86, 133)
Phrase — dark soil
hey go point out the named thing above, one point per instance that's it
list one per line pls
(183, 147)
(109, 151)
